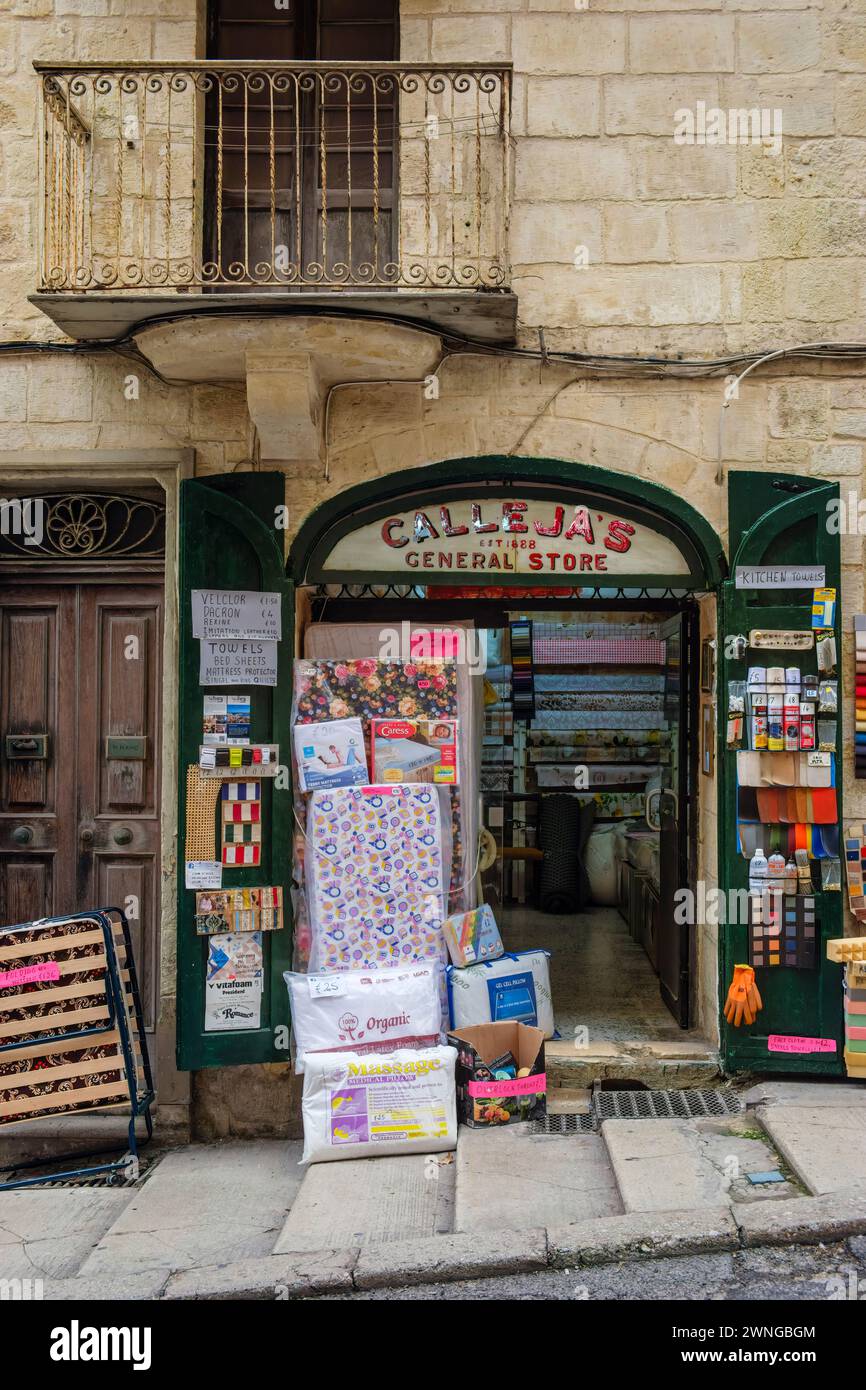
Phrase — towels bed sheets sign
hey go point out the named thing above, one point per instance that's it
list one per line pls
(376, 876)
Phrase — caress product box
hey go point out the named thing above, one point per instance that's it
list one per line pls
(414, 750)
(500, 1073)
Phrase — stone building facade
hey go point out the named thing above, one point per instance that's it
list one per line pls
(648, 272)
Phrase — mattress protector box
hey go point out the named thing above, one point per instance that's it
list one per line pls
(407, 750)
(489, 1094)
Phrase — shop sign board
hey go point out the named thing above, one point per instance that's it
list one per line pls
(235, 662)
(506, 536)
(779, 576)
(245, 613)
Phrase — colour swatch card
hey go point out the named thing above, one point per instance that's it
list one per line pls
(239, 910)
(241, 825)
(855, 867)
(376, 876)
(860, 696)
(782, 931)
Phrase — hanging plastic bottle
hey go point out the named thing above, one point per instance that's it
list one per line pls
(758, 871)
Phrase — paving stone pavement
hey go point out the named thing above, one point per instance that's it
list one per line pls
(212, 1209)
(51, 1232)
(202, 1205)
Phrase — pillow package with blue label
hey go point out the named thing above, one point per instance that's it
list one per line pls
(513, 989)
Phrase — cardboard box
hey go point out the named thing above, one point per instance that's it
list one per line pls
(481, 1098)
(414, 750)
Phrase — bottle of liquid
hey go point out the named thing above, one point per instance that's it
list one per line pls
(790, 877)
(776, 873)
(776, 722)
(758, 872)
(792, 721)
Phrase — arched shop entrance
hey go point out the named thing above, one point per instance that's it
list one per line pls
(586, 609)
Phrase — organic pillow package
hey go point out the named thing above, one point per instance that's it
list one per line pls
(368, 1105)
(365, 1010)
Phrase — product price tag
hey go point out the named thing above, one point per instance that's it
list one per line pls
(326, 987)
(820, 759)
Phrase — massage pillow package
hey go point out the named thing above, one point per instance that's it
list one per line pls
(368, 1105)
(513, 989)
(365, 1011)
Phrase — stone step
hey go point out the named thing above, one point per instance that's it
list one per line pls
(660, 1066)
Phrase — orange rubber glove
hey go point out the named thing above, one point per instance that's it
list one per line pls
(744, 1000)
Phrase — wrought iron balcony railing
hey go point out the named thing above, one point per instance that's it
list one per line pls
(275, 176)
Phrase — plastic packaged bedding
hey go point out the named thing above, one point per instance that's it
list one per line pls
(513, 989)
(365, 1011)
(357, 1106)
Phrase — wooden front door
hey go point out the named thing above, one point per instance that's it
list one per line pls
(80, 695)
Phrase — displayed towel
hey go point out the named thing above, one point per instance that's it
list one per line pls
(630, 682)
(576, 651)
(577, 700)
(589, 719)
(597, 776)
(375, 869)
(603, 738)
(562, 753)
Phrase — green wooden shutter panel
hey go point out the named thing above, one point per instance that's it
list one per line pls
(776, 520)
(227, 539)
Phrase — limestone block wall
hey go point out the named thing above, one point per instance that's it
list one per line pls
(696, 248)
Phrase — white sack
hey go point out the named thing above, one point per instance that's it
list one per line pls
(365, 1010)
(600, 862)
(513, 989)
(367, 1106)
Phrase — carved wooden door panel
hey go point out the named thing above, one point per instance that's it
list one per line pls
(80, 688)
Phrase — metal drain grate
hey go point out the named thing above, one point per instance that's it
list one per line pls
(665, 1105)
(579, 1123)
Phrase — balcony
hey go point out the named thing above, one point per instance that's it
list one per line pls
(300, 188)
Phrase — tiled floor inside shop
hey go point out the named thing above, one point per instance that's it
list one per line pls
(599, 977)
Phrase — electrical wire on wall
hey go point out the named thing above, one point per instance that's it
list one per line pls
(621, 366)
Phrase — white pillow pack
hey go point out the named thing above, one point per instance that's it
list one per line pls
(365, 1010)
(367, 1106)
(513, 989)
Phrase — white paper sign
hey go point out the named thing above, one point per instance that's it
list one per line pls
(203, 873)
(236, 613)
(235, 662)
(779, 576)
(233, 988)
(326, 987)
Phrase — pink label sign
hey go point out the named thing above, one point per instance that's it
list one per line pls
(778, 1042)
(30, 974)
(517, 1086)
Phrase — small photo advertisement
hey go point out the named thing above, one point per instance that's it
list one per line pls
(331, 754)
